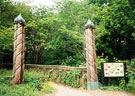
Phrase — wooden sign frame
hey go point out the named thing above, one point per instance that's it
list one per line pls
(102, 72)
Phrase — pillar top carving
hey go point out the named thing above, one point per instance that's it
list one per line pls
(19, 19)
(89, 24)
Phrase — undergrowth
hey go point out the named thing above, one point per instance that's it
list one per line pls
(36, 81)
(32, 85)
(70, 78)
(48, 87)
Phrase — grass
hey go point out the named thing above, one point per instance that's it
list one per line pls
(111, 88)
(33, 85)
(48, 87)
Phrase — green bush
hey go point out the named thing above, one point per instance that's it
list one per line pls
(18, 90)
(70, 78)
(131, 76)
(85, 81)
(122, 84)
(31, 87)
(110, 88)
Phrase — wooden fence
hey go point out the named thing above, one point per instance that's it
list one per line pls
(57, 67)
(82, 70)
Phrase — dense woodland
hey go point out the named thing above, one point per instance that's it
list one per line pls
(55, 35)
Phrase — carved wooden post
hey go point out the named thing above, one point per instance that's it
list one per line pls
(18, 58)
(92, 79)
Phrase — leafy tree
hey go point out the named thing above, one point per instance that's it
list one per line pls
(8, 11)
(115, 29)
(56, 35)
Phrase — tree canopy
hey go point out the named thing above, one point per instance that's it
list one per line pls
(55, 35)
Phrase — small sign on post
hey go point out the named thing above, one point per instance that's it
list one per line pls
(116, 69)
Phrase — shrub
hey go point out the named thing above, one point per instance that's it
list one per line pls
(31, 87)
(131, 76)
(70, 78)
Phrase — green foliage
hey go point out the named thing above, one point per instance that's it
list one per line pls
(33, 79)
(122, 84)
(131, 76)
(8, 11)
(36, 81)
(114, 24)
(112, 83)
(70, 78)
(55, 35)
(21, 90)
(31, 87)
(52, 42)
(47, 87)
(85, 81)
(110, 88)
(131, 85)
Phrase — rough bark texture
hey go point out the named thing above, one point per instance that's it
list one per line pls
(18, 58)
(91, 56)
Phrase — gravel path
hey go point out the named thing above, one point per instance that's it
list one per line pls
(68, 91)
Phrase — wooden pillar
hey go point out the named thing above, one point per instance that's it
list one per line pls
(92, 79)
(18, 58)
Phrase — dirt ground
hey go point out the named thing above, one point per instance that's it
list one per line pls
(61, 90)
